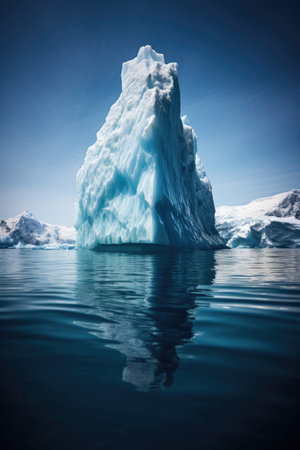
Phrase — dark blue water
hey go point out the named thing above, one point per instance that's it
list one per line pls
(166, 350)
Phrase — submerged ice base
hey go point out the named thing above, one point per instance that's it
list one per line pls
(142, 180)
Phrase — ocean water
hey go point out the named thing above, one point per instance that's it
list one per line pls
(150, 350)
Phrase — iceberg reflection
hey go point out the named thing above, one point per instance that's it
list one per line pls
(143, 306)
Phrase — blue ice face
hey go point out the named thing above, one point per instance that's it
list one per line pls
(142, 181)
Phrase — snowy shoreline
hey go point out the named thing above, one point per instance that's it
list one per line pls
(264, 223)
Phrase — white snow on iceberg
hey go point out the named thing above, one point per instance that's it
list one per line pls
(142, 181)
(266, 222)
(25, 231)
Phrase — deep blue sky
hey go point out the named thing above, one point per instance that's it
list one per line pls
(239, 74)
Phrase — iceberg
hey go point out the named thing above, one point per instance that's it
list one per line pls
(142, 181)
(25, 231)
(265, 222)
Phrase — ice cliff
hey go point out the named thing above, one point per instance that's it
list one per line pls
(142, 180)
(266, 222)
(25, 230)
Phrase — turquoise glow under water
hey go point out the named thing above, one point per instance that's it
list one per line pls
(195, 350)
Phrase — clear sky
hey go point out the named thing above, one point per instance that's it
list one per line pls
(239, 74)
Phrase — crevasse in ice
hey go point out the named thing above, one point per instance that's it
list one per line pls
(142, 180)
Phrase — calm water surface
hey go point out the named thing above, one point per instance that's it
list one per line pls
(166, 350)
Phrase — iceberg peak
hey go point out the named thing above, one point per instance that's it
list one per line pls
(142, 180)
(147, 70)
(147, 52)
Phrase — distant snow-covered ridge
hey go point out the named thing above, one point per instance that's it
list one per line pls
(265, 222)
(25, 230)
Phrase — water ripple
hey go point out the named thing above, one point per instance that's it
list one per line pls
(149, 307)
